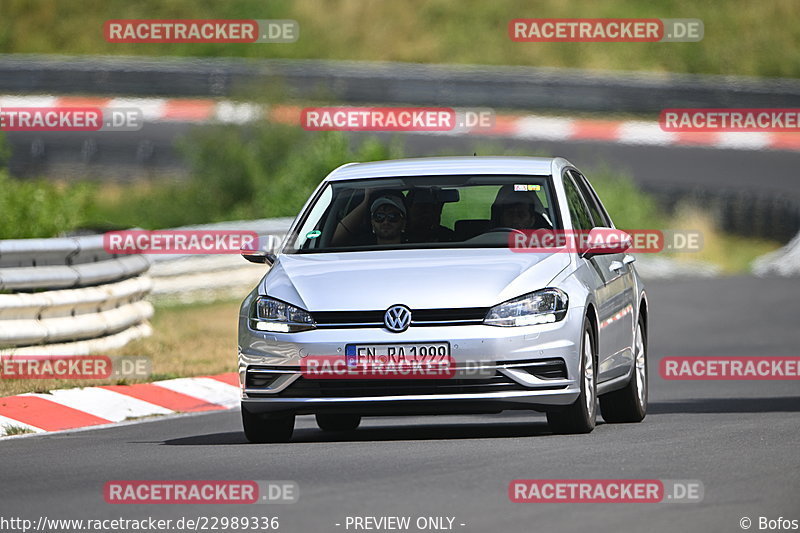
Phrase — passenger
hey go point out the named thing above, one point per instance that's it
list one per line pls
(425, 215)
(388, 219)
(518, 210)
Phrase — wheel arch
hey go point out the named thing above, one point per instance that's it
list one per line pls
(643, 311)
(591, 314)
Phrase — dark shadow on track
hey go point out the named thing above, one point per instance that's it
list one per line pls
(384, 433)
(788, 404)
(456, 431)
(209, 439)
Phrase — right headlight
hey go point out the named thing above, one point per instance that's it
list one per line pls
(279, 317)
(539, 307)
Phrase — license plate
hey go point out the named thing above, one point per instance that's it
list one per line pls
(417, 353)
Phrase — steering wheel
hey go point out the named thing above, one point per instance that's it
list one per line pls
(501, 228)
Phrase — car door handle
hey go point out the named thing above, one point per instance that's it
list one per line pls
(615, 266)
(628, 259)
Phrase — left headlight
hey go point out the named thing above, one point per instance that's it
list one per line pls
(277, 316)
(540, 307)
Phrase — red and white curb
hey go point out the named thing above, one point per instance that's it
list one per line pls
(153, 109)
(533, 127)
(95, 406)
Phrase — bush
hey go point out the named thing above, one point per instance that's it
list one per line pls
(5, 151)
(40, 208)
(268, 170)
(630, 207)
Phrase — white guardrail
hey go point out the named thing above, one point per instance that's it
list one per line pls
(68, 296)
(193, 278)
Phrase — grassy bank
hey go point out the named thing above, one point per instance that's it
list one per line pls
(741, 37)
(195, 340)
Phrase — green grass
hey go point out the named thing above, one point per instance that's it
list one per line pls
(38, 208)
(15, 430)
(187, 340)
(732, 253)
(741, 36)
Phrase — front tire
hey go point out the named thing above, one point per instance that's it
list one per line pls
(630, 404)
(337, 422)
(581, 416)
(262, 428)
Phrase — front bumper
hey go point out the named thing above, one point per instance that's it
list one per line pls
(504, 365)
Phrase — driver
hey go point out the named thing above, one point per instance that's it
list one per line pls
(388, 220)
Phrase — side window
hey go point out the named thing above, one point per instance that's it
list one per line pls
(303, 241)
(577, 209)
(599, 214)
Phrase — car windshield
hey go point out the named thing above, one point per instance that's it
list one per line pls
(424, 212)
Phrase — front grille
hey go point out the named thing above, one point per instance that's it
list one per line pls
(419, 317)
(334, 319)
(262, 377)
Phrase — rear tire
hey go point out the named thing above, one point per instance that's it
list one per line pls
(337, 422)
(261, 428)
(629, 405)
(581, 416)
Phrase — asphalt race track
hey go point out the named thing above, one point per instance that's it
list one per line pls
(739, 438)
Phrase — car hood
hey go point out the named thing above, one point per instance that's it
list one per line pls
(419, 279)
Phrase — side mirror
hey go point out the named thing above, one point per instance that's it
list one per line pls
(603, 241)
(263, 251)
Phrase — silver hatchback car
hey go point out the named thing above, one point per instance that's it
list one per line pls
(418, 261)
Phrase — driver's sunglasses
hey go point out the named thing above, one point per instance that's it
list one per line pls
(391, 217)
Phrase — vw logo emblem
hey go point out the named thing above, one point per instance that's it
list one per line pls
(397, 318)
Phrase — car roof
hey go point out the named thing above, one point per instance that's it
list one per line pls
(442, 166)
